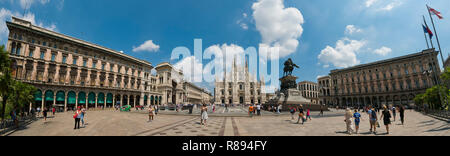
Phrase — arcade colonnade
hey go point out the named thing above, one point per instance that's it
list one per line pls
(69, 99)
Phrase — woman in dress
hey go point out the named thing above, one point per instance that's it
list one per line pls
(386, 116)
(204, 113)
(150, 114)
(348, 120)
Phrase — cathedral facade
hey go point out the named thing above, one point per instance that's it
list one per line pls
(238, 86)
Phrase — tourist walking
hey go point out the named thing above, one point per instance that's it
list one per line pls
(204, 115)
(373, 120)
(44, 113)
(150, 114)
(292, 112)
(348, 120)
(83, 114)
(250, 110)
(214, 108)
(386, 115)
(77, 117)
(38, 111)
(357, 118)
(401, 110)
(301, 115)
(308, 115)
(53, 111)
(156, 109)
(258, 109)
(394, 112)
(321, 111)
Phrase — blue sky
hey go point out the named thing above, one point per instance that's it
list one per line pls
(334, 34)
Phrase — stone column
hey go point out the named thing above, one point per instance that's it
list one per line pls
(96, 100)
(45, 77)
(56, 79)
(104, 101)
(87, 103)
(76, 100)
(141, 99)
(65, 101)
(121, 100)
(54, 99)
(43, 102)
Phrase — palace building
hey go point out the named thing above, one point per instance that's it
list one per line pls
(309, 90)
(70, 72)
(394, 81)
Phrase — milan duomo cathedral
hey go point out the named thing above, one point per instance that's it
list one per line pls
(238, 86)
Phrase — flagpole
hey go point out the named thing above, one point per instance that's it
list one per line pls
(431, 39)
(440, 51)
(435, 33)
(425, 35)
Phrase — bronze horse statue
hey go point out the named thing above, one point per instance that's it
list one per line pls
(289, 67)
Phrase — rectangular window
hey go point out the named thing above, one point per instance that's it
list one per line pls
(84, 63)
(42, 55)
(64, 59)
(74, 61)
(53, 57)
(44, 43)
(30, 54)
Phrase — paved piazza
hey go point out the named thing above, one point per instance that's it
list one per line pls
(221, 123)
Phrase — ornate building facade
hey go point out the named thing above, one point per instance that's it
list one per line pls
(239, 87)
(393, 81)
(309, 90)
(324, 83)
(70, 72)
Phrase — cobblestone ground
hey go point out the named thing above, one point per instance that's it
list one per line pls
(112, 123)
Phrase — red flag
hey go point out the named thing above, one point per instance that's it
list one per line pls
(435, 12)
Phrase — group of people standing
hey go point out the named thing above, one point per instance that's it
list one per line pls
(79, 115)
(301, 114)
(252, 109)
(152, 111)
(372, 113)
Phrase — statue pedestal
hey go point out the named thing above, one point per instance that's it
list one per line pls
(289, 96)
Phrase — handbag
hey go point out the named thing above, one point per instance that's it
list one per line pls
(75, 116)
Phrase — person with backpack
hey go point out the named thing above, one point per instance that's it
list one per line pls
(373, 120)
(386, 116)
(250, 111)
(292, 112)
(357, 117)
(301, 115)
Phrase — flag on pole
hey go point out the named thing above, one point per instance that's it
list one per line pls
(427, 30)
(435, 12)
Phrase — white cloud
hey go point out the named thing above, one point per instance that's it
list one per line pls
(241, 22)
(244, 26)
(386, 5)
(343, 55)
(191, 67)
(383, 51)
(350, 29)
(5, 15)
(26, 4)
(370, 2)
(278, 26)
(147, 46)
(391, 6)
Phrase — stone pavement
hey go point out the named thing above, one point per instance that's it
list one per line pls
(112, 123)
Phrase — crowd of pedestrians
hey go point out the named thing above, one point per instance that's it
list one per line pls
(372, 112)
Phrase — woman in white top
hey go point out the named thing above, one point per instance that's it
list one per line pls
(204, 114)
(348, 120)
